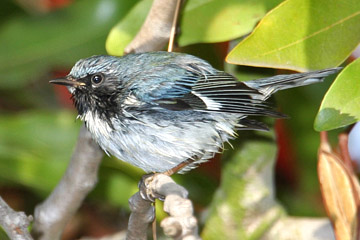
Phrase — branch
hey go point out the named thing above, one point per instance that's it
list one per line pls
(118, 236)
(155, 32)
(142, 214)
(292, 228)
(181, 224)
(15, 224)
(54, 213)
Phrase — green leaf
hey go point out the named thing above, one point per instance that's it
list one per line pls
(302, 35)
(340, 106)
(123, 32)
(202, 21)
(207, 21)
(35, 147)
(30, 45)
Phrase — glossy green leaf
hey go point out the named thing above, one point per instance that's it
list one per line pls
(341, 104)
(209, 21)
(30, 45)
(302, 35)
(202, 21)
(123, 32)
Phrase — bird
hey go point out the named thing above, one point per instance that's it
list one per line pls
(167, 112)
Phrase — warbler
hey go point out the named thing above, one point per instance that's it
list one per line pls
(166, 111)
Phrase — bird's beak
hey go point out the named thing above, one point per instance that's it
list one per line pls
(67, 81)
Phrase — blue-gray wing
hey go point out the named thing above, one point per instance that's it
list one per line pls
(184, 82)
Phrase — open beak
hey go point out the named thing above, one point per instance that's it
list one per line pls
(67, 81)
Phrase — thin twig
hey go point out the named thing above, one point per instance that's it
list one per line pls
(174, 26)
(154, 223)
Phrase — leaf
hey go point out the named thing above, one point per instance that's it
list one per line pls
(30, 45)
(202, 21)
(340, 195)
(123, 32)
(340, 106)
(302, 35)
(207, 21)
(35, 148)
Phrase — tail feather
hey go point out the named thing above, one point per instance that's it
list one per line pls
(268, 86)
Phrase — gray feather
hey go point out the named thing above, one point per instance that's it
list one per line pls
(269, 86)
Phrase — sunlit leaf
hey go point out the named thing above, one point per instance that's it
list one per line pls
(220, 20)
(340, 106)
(202, 21)
(302, 35)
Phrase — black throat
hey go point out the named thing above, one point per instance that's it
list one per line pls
(105, 106)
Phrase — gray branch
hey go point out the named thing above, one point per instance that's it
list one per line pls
(14, 223)
(301, 228)
(142, 214)
(181, 224)
(155, 32)
(54, 213)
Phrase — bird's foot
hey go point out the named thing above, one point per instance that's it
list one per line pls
(146, 191)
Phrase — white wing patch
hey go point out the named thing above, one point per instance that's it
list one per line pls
(210, 104)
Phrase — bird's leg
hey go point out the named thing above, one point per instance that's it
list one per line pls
(148, 194)
(179, 167)
(145, 191)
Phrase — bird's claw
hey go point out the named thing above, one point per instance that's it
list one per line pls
(145, 191)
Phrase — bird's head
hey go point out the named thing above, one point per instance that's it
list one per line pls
(95, 84)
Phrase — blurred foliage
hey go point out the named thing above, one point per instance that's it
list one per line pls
(36, 43)
(301, 105)
(37, 135)
(32, 147)
(235, 202)
(3, 235)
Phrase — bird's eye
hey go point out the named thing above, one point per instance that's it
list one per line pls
(97, 78)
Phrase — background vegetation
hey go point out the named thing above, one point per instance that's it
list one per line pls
(38, 129)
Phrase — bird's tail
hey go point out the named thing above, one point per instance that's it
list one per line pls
(268, 86)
